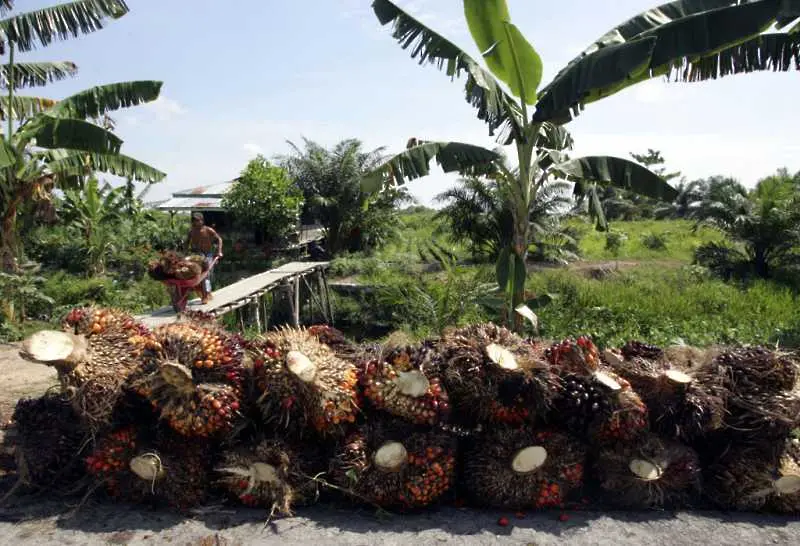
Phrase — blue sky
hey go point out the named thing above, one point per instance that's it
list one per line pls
(243, 78)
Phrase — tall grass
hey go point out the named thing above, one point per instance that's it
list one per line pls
(666, 306)
(679, 241)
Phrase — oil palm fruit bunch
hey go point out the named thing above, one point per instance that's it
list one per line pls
(651, 473)
(593, 401)
(160, 468)
(300, 382)
(393, 464)
(94, 320)
(762, 419)
(684, 405)
(639, 349)
(272, 474)
(522, 468)
(93, 360)
(193, 376)
(748, 478)
(755, 371)
(494, 376)
(404, 382)
(49, 440)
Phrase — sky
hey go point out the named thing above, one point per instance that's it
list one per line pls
(243, 77)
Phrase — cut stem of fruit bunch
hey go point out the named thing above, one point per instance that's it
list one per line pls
(59, 349)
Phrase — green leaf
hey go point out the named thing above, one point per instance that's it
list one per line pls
(117, 164)
(508, 54)
(36, 74)
(24, 107)
(681, 37)
(495, 107)
(96, 101)
(618, 172)
(62, 21)
(542, 300)
(503, 267)
(8, 155)
(466, 159)
(75, 134)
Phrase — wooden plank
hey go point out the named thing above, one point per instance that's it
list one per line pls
(238, 294)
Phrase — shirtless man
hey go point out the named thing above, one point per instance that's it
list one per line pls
(200, 240)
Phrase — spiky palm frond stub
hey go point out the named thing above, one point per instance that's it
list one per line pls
(523, 468)
(753, 479)
(757, 370)
(494, 376)
(193, 376)
(50, 438)
(684, 404)
(301, 383)
(273, 474)
(391, 463)
(405, 383)
(652, 473)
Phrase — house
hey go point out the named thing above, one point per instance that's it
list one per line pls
(208, 200)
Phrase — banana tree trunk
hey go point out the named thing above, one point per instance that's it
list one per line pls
(8, 237)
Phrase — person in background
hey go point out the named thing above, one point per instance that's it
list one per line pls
(201, 240)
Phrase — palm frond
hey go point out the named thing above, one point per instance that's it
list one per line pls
(62, 21)
(466, 159)
(51, 132)
(116, 164)
(97, 101)
(779, 52)
(35, 74)
(618, 172)
(495, 107)
(24, 107)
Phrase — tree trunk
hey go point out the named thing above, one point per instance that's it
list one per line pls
(8, 244)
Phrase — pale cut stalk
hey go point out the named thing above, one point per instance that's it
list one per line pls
(413, 383)
(148, 467)
(607, 381)
(678, 377)
(501, 356)
(178, 376)
(301, 366)
(787, 485)
(645, 470)
(391, 457)
(528, 459)
(55, 348)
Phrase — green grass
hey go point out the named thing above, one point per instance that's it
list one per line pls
(419, 228)
(680, 242)
(666, 305)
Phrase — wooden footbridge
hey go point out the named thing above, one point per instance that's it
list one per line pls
(250, 294)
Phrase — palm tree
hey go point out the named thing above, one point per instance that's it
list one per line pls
(53, 143)
(763, 224)
(330, 180)
(512, 60)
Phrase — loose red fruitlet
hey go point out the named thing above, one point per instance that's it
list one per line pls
(502, 522)
(563, 517)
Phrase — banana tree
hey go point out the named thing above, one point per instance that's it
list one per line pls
(58, 146)
(54, 143)
(513, 64)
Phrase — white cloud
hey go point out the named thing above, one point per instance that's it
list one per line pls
(165, 108)
(252, 148)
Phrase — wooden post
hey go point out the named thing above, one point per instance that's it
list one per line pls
(296, 306)
(327, 297)
(257, 310)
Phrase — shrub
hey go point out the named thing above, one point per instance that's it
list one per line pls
(655, 241)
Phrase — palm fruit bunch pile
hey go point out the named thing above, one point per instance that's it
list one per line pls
(171, 265)
(190, 413)
(523, 468)
(193, 376)
(594, 402)
(494, 376)
(272, 474)
(391, 463)
(404, 382)
(94, 355)
(301, 384)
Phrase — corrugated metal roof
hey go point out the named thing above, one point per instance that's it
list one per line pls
(200, 203)
(214, 190)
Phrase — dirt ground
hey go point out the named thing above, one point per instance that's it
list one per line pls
(41, 521)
